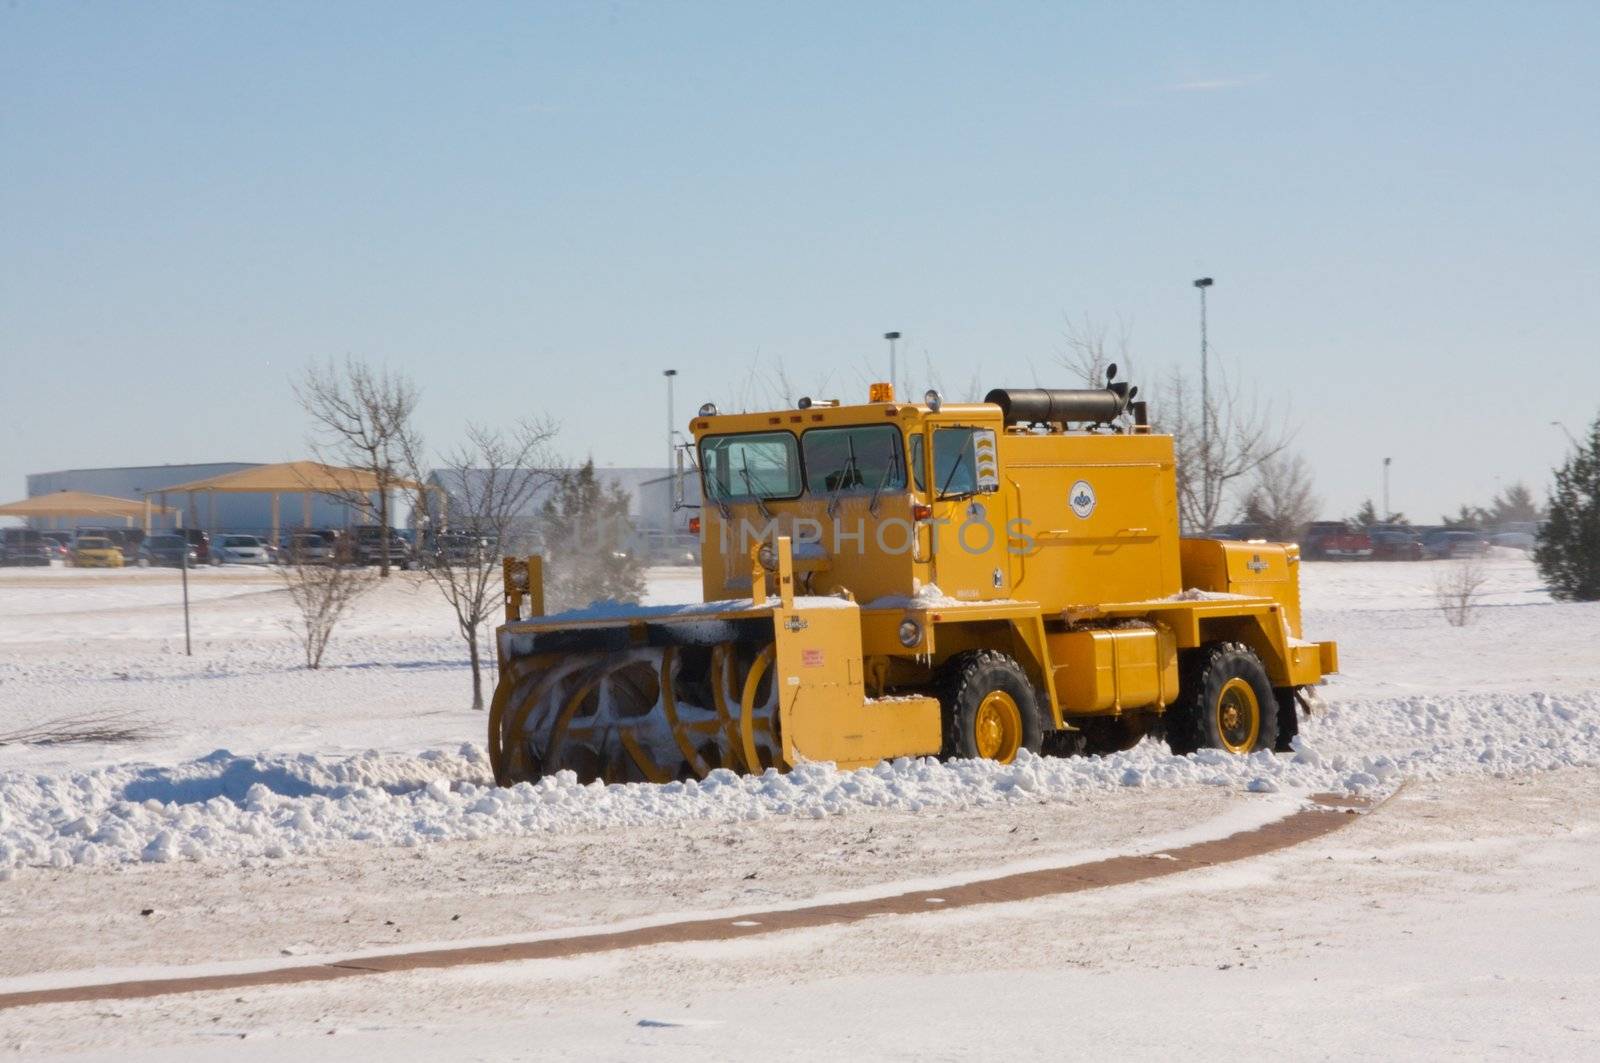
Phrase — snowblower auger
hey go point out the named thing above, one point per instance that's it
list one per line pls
(1021, 580)
(656, 694)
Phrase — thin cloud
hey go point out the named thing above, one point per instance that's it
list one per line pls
(1218, 84)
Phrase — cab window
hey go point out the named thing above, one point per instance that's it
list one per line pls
(918, 474)
(954, 468)
(861, 458)
(751, 465)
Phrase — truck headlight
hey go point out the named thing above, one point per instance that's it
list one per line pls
(910, 633)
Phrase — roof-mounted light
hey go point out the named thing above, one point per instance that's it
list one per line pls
(882, 391)
(708, 410)
(933, 400)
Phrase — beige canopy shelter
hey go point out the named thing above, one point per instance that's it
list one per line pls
(61, 504)
(304, 478)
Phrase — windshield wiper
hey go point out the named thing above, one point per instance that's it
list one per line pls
(714, 492)
(951, 475)
(893, 464)
(844, 475)
(749, 485)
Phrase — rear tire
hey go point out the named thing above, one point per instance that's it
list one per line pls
(990, 709)
(1288, 719)
(1105, 735)
(1225, 701)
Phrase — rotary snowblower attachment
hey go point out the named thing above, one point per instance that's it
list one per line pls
(907, 579)
(655, 694)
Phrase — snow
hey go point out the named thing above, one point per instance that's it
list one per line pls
(1196, 594)
(281, 817)
(620, 611)
(377, 751)
(928, 596)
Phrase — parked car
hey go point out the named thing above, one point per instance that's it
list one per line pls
(366, 547)
(306, 548)
(201, 541)
(125, 539)
(453, 548)
(1444, 544)
(1515, 540)
(95, 551)
(62, 541)
(239, 550)
(1396, 546)
(24, 546)
(1334, 539)
(169, 551)
(1237, 532)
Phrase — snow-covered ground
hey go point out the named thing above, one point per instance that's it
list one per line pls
(357, 798)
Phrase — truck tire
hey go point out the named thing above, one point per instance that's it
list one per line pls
(1288, 719)
(1225, 701)
(1105, 735)
(990, 709)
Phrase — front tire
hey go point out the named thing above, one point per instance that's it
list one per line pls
(989, 706)
(1225, 701)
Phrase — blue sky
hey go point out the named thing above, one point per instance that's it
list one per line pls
(533, 209)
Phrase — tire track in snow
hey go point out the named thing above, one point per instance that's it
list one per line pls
(1305, 825)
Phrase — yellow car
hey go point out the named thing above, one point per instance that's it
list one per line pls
(93, 552)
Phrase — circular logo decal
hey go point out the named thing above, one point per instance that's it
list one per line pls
(1082, 498)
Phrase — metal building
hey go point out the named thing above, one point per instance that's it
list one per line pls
(251, 514)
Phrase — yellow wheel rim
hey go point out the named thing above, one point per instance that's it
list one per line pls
(1238, 716)
(997, 727)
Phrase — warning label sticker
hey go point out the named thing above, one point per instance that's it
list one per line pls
(811, 658)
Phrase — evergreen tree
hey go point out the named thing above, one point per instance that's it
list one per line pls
(1367, 517)
(1469, 518)
(1568, 554)
(586, 533)
(1515, 505)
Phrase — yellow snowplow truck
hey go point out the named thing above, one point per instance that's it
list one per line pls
(910, 579)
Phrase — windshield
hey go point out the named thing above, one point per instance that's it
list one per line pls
(241, 540)
(751, 465)
(854, 459)
(94, 544)
(166, 542)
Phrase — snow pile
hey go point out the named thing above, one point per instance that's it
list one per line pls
(228, 806)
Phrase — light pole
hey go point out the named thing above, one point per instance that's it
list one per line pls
(1205, 403)
(1386, 510)
(892, 337)
(1566, 432)
(671, 451)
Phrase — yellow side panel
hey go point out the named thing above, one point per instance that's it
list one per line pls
(1100, 671)
(1094, 519)
(1266, 570)
(823, 710)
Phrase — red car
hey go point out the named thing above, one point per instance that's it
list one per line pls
(1328, 540)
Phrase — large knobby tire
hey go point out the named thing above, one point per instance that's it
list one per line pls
(990, 709)
(1225, 701)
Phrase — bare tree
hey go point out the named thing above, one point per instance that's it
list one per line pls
(489, 485)
(362, 419)
(322, 594)
(1281, 498)
(1244, 433)
(1456, 587)
(1092, 347)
